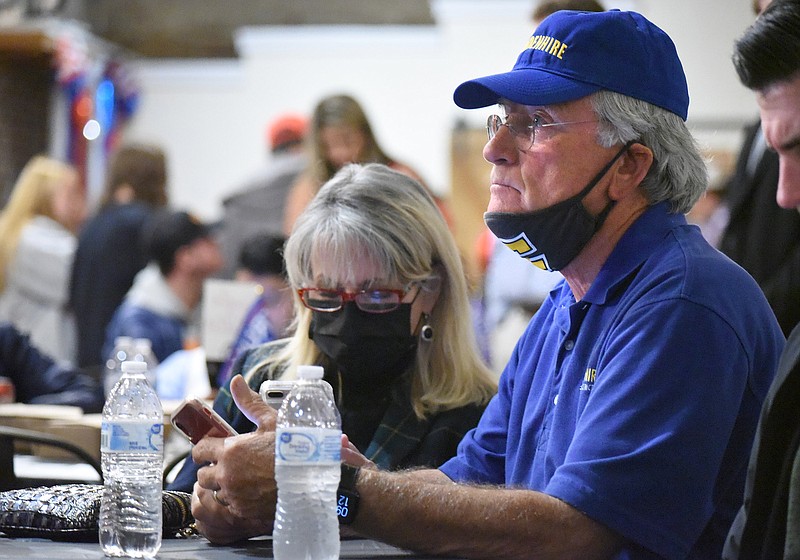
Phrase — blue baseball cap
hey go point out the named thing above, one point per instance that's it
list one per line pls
(574, 54)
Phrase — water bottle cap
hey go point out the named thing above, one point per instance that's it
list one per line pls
(134, 367)
(310, 372)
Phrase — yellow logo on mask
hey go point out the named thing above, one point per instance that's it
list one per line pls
(525, 249)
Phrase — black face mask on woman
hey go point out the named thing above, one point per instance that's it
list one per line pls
(551, 237)
(371, 350)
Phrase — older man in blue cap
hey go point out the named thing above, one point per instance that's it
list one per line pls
(623, 421)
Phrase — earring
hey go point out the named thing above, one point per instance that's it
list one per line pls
(426, 332)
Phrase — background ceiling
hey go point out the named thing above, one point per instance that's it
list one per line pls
(204, 28)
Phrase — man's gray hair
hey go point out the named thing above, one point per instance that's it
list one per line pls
(678, 174)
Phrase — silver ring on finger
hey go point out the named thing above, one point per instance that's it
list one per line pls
(219, 500)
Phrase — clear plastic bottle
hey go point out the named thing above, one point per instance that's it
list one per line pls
(143, 352)
(307, 469)
(123, 351)
(132, 456)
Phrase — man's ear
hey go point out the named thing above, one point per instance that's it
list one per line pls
(631, 171)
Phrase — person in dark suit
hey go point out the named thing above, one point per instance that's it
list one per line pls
(761, 236)
(767, 59)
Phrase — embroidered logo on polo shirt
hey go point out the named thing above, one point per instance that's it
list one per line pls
(588, 379)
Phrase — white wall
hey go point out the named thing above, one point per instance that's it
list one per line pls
(210, 115)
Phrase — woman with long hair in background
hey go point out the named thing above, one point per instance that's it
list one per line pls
(38, 229)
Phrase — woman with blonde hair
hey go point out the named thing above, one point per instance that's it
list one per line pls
(340, 133)
(381, 303)
(38, 230)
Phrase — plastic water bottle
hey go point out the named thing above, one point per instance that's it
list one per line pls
(143, 352)
(307, 469)
(132, 456)
(123, 351)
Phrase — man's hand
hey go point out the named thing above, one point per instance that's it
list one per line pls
(241, 471)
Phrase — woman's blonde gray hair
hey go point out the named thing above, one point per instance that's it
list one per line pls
(372, 212)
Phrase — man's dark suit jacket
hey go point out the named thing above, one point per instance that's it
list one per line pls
(761, 236)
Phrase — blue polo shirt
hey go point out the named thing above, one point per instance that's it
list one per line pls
(638, 404)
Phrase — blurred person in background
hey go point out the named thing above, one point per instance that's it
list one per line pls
(38, 230)
(547, 7)
(271, 314)
(38, 379)
(258, 205)
(109, 251)
(340, 133)
(182, 253)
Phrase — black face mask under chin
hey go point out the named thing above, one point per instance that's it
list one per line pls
(551, 237)
(371, 350)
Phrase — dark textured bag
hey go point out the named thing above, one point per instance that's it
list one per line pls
(70, 512)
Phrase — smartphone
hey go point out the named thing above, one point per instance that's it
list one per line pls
(273, 391)
(195, 419)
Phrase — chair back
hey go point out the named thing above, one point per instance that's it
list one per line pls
(9, 479)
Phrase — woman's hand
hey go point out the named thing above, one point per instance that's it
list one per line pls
(352, 456)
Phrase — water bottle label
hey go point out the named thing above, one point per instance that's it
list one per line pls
(131, 437)
(308, 445)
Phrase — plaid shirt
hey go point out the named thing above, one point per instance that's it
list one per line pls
(401, 440)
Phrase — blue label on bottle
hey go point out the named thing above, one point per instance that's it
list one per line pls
(308, 445)
(131, 437)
